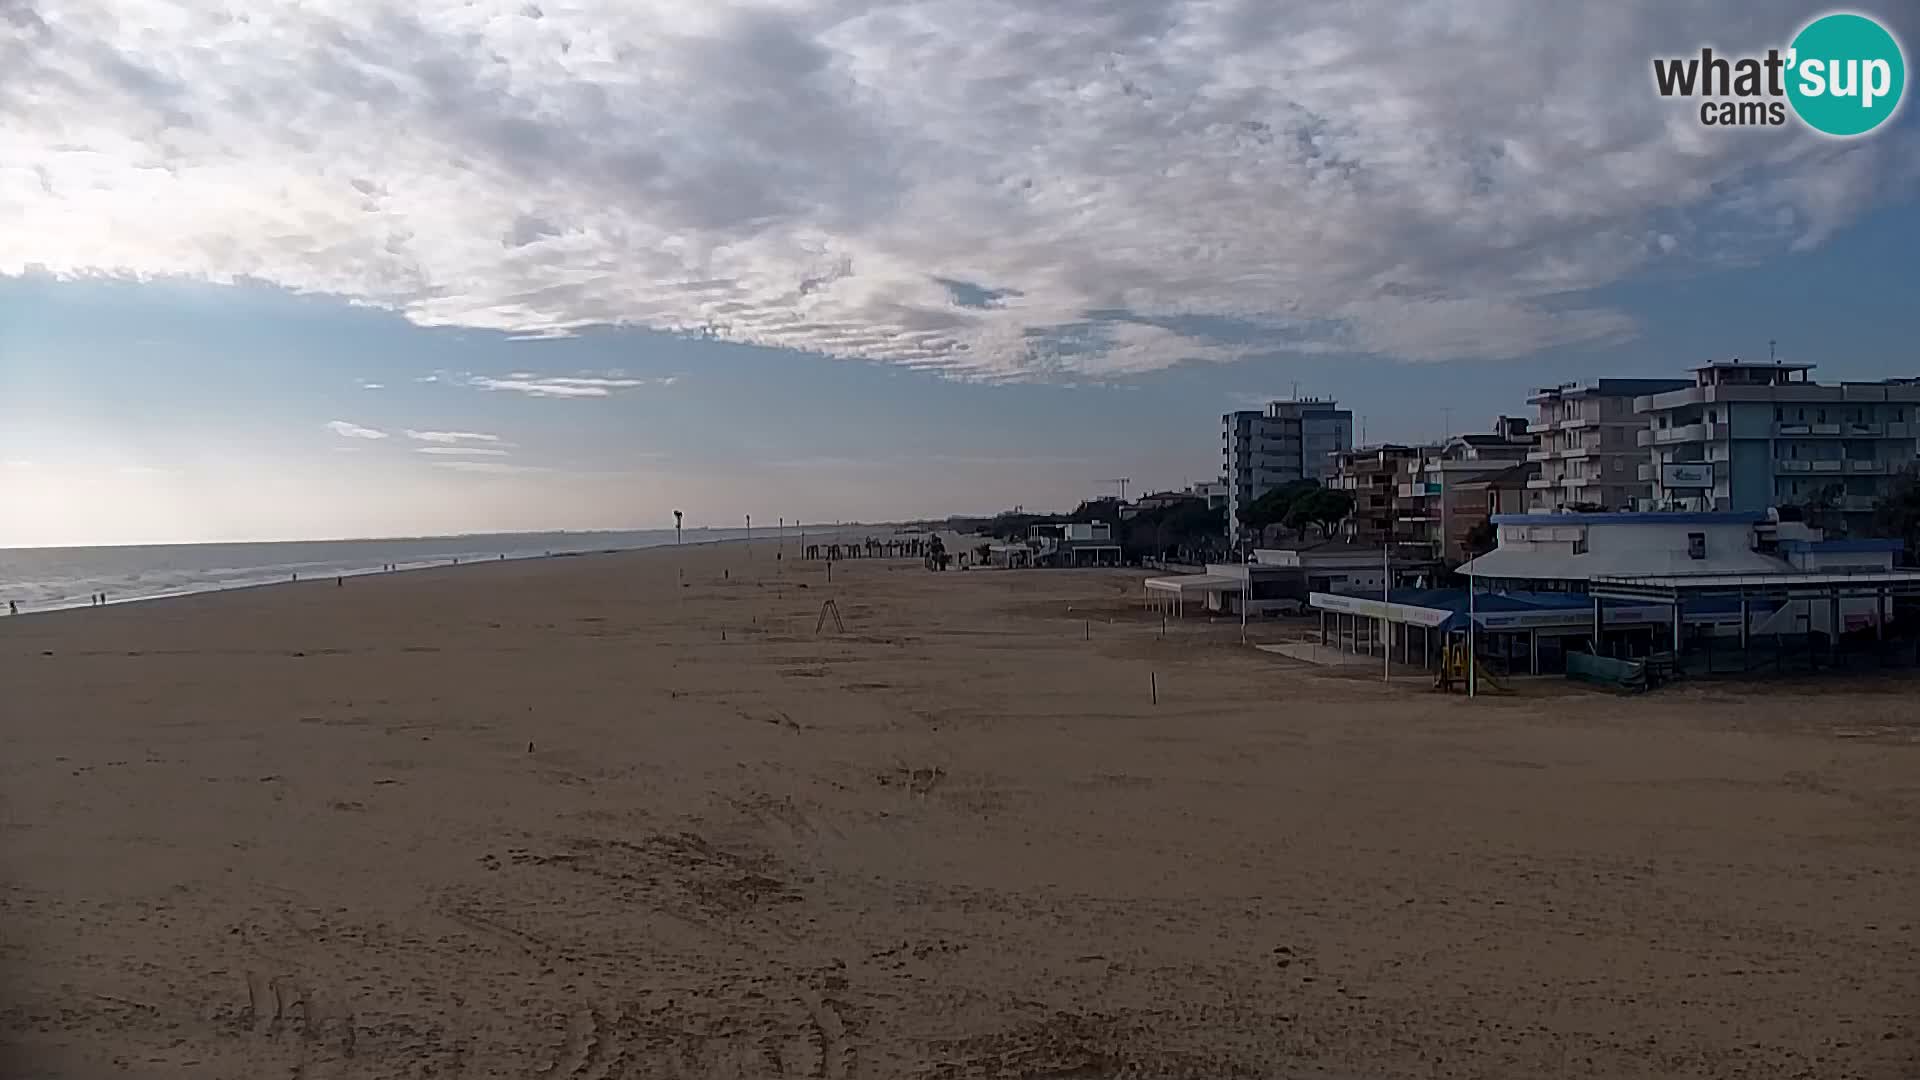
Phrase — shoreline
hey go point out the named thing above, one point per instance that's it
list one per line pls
(461, 562)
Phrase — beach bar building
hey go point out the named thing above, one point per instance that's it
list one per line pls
(1632, 585)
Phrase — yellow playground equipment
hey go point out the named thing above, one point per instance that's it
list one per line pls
(1452, 674)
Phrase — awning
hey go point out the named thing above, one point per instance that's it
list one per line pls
(1196, 583)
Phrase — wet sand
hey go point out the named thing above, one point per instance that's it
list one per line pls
(565, 819)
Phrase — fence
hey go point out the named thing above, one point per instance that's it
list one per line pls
(1606, 671)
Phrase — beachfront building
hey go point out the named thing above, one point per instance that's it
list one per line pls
(1438, 507)
(1373, 476)
(1589, 454)
(1071, 544)
(1288, 441)
(1744, 437)
(1632, 585)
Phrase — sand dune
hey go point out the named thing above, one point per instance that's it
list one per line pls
(565, 819)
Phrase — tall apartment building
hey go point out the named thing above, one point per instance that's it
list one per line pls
(1589, 453)
(1748, 436)
(1290, 440)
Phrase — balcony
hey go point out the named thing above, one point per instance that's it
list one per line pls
(1418, 490)
(1575, 424)
(1647, 473)
(1870, 466)
(1868, 431)
(1828, 466)
(1577, 453)
(1793, 466)
(1541, 455)
(1541, 482)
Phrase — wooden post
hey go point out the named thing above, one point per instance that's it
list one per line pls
(1153, 685)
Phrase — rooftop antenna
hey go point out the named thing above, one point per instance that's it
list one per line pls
(1296, 389)
(1123, 481)
(1770, 353)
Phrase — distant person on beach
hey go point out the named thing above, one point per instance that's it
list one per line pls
(13, 607)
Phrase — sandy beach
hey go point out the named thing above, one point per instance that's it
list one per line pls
(568, 819)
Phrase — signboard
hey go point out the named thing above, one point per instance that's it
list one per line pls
(1690, 475)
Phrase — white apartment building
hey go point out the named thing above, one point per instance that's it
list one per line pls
(1748, 436)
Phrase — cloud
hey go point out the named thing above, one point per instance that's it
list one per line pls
(564, 386)
(469, 450)
(453, 436)
(348, 430)
(365, 385)
(997, 189)
(496, 467)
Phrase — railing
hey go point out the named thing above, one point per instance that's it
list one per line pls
(1694, 432)
(1828, 466)
(1793, 466)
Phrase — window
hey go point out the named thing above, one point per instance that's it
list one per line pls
(1696, 545)
(1819, 416)
(1580, 544)
(1779, 414)
(1713, 416)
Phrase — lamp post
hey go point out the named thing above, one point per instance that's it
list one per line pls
(676, 528)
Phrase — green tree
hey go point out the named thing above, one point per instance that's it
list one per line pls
(1324, 508)
(1274, 507)
(1482, 538)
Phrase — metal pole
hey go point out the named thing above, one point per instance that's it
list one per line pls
(1386, 599)
(1473, 667)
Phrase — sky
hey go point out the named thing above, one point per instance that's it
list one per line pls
(360, 269)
